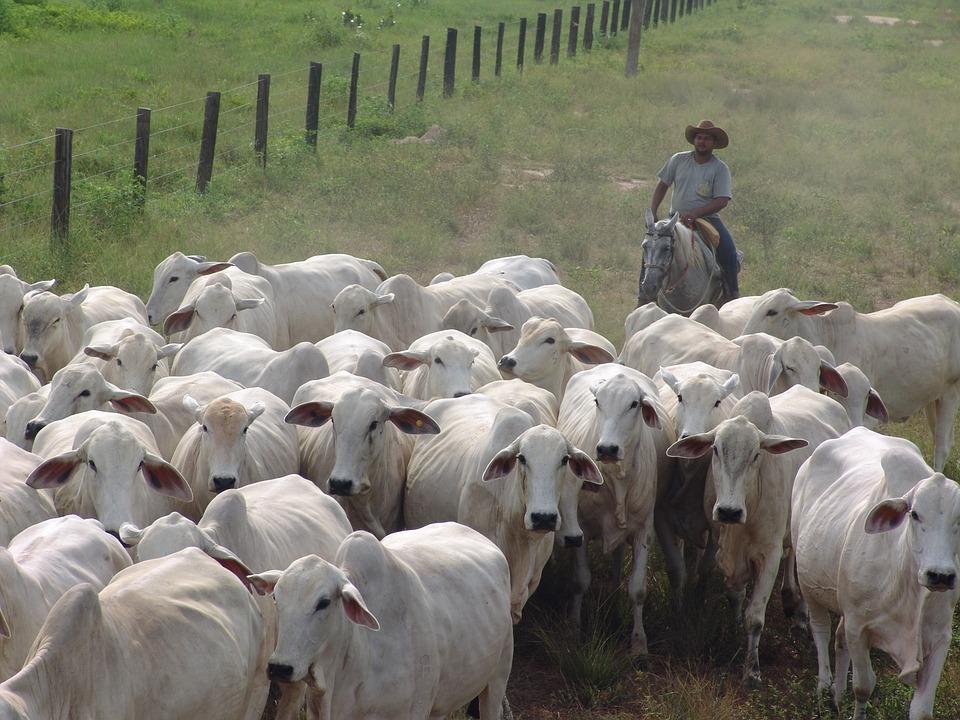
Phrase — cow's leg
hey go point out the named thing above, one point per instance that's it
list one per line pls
(864, 679)
(756, 611)
(672, 549)
(581, 582)
(637, 590)
(842, 664)
(936, 643)
(794, 607)
(947, 405)
(493, 698)
(820, 630)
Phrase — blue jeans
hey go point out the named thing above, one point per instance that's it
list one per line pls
(727, 257)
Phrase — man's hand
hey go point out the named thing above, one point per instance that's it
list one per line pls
(687, 218)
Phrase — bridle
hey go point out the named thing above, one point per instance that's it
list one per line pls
(662, 293)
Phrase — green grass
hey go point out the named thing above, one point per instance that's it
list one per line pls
(845, 175)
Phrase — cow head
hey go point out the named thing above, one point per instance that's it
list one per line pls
(215, 306)
(223, 426)
(446, 363)
(172, 278)
(781, 314)
(699, 397)
(473, 321)
(353, 308)
(47, 320)
(12, 292)
(623, 409)
(133, 362)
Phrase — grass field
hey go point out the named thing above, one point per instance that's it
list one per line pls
(845, 181)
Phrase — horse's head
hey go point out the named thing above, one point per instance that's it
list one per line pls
(657, 254)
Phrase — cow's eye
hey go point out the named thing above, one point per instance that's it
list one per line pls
(564, 460)
(715, 451)
(756, 457)
(634, 405)
(245, 429)
(361, 313)
(716, 404)
(771, 313)
(204, 428)
(119, 362)
(438, 361)
(92, 465)
(550, 341)
(155, 366)
(473, 331)
(913, 514)
(84, 393)
(322, 603)
(679, 398)
(373, 426)
(521, 459)
(596, 402)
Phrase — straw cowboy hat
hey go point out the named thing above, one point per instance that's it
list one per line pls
(719, 135)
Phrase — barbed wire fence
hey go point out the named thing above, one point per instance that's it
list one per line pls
(233, 127)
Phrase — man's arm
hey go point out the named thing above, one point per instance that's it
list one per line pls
(714, 206)
(659, 193)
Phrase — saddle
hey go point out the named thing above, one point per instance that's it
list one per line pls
(708, 233)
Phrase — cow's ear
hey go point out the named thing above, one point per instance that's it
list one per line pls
(495, 324)
(192, 407)
(406, 360)
(693, 446)
(102, 352)
(384, 299)
(310, 414)
(778, 444)
(210, 267)
(130, 534)
(249, 304)
(265, 582)
(164, 478)
(670, 379)
(886, 515)
(55, 471)
(356, 608)
(583, 467)
(650, 413)
(179, 320)
(168, 350)
(502, 463)
(588, 353)
(39, 286)
(812, 307)
(230, 562)
(875, 407)
(831, 380)
(78, 297)
(413, 421)
(128, 402)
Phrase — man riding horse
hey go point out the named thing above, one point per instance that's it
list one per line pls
(701, 189)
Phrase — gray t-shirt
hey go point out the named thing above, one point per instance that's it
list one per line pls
(695, 185)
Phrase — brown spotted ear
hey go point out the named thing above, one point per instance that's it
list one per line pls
(405, 360)
(691, 447)
(54, 472)
(356, 608)
(128, 402)
(831, 380)
(179, 320)
(778, 444)
(265, 582)
(886, 515)
(163, 477)
(589, 354)
(413, 421)
(310, 414)
(875, 407)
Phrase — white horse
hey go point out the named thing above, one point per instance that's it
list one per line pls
(679, 271)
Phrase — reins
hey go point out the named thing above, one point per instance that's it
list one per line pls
(662, 299)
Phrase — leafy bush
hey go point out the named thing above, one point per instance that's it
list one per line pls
(322, 31)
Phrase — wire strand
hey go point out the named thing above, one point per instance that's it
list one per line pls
(26, 144)
(26, 197)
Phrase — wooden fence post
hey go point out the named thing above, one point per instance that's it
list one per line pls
(689, 7)
(450, 63)
(627, 12)
(538, 40)
(664, 11)
(655, 13)
(141, 153)
(424, 57)
(633, 39)
(354, 81)
(62, 171)
(475, 72)
(614, 17)
(588, 26)
(673, 11)
(208, 140)
(604, 16)
(313, 103)
(574, 31)
(681, 9)
(555, 37)
(392, 83)
(498, 63)
(263, 113)
(521, 44)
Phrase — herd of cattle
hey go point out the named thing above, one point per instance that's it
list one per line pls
(350, 484)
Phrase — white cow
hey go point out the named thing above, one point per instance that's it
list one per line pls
(910, 351)
(93, 462)
(20, 413)
(21, 506)
(172, 278)
(446, 363)
(729, 320)
(205, 387)
(361, 456)
(863, 403)
(171, 639)
(359, 354)
(250, 361)
(440, 599)
(400, 311)
(493, 469)
(38, 567)
(78, 388)
(231, 299)
(875, 532)
(129, 354)
(16, 381)
(522, 270)
(548, 355)
(239, 439)
(12, 292)
(751, 477)
(795, 362)
(54, 326)
(615, 412)
(540, 404)
(498, 325)
(674, 340)
(642, 317)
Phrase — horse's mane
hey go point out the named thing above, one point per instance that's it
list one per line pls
(690, 253)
